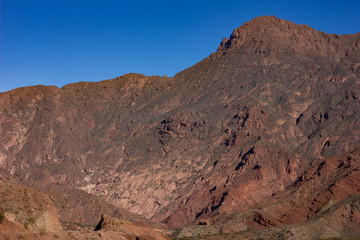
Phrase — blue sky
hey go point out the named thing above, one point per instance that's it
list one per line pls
(56, 42)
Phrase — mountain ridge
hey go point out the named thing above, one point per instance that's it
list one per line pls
(220, 136)
(259, 27)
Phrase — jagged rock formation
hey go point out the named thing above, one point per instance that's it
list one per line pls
(325, 200)
(219, 137)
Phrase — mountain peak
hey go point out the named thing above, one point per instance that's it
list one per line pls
(265, 20)
(271, 33)
(266, 36)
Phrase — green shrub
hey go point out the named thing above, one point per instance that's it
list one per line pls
(31, 220)
(2, 218)
(43, 232)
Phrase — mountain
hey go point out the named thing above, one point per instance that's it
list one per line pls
(218, 138)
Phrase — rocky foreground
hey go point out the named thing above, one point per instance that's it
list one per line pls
(261, 139)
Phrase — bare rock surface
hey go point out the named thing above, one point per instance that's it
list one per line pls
(324, 202)
(217, 138)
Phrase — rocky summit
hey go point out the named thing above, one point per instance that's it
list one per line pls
(264, 133)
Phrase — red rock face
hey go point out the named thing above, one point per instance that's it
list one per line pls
(323, 202)
(219, 137)
(326, 183)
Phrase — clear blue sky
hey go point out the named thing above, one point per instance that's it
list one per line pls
(56, 42)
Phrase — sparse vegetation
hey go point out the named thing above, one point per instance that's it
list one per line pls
(31, 220)
(2, 218)
(43, 232)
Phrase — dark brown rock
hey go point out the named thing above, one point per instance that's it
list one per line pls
(128, 229)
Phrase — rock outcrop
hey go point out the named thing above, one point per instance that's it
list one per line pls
(128, 229)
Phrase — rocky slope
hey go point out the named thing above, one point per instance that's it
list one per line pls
(128, 229)
(23, 209)
(80, 207)
(324, 202)
(29, 214)
(221, 136)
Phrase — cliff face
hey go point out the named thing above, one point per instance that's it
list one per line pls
(322, 203)
(218, 137)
